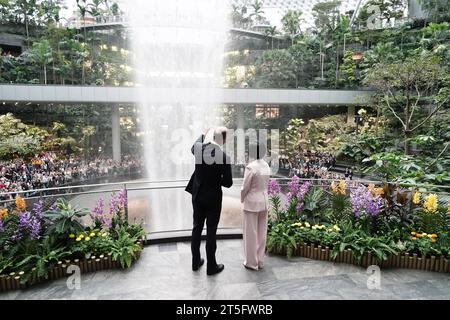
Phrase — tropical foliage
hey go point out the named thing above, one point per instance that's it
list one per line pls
(33, 240)
(384, 220)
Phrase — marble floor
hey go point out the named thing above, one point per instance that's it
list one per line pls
(163, 272)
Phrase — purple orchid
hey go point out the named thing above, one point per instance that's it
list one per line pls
(28, 224)
(365, 203)
(123, 198)
(274, 189)
(38, 209)
(118, 202)
(302, 191)
(293, 187)
(98, 214)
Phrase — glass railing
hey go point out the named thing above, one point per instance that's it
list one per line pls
(164, 207)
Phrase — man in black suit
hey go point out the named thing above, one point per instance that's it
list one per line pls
(212, 171)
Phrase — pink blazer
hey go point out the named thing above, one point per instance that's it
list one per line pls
(254, 190)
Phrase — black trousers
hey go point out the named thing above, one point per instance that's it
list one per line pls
(210, 214)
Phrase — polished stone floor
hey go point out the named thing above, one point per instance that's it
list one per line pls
(164, 272)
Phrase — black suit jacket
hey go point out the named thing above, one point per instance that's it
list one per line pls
(212, 172)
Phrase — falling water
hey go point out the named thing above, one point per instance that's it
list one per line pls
(179, 48)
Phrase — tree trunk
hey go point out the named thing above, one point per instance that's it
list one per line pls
(407, 127)
(377, 121)
(54, 72)
(337, 66)
(407, 143)
(45, 74)
(82, 72)
(27, 28)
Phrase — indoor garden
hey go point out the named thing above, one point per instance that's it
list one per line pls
(102, 100)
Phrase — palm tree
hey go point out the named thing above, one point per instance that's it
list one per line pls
(26, 8)
(291, 24)
(41, 53)
(82, 8)
(95, 9)
(77, 54)
(271, 32)
(258, 13)
(239, 16)
(340, 33)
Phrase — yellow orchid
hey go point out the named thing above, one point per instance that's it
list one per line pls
(431, 203)
(342, 187)
(416, 198)
(334, 188)
(4, 214)
(92, 235)
(307, 225)
(339, 189)
(71, 236)
(20, 204)
(87, 239)
(78, 239)
(375, 191)
(379, 191)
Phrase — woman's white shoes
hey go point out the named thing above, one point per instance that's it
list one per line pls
(250, 268)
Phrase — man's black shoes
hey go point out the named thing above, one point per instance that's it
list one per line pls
(215, 270)
(196, 267)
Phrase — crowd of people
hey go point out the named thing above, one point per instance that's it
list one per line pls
(314, 165)
(47, 170)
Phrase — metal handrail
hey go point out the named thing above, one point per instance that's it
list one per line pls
(377, 182)
(369, 90)
(127, 184)
(87, 186)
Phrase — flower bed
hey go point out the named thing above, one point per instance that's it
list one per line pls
(42, 243)
(385, 226)
(407, 261)
(60, 270)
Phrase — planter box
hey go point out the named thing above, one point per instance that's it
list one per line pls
(12, 281)
(406, 261)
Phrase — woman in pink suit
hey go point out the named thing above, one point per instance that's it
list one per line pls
(255, 199)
